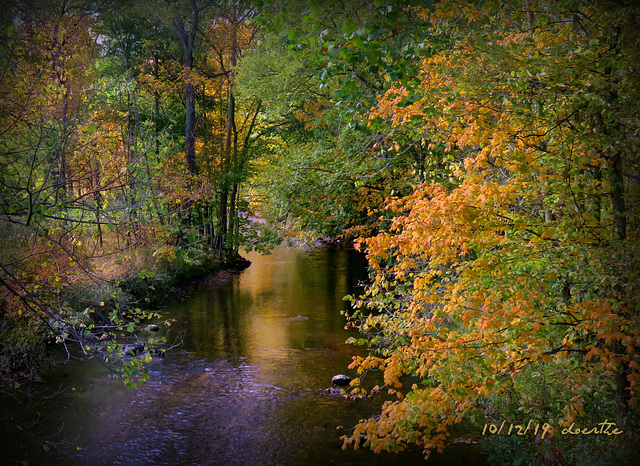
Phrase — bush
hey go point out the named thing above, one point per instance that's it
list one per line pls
(23, 352)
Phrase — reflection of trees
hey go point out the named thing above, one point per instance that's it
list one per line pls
(286, 301)
(217, 321)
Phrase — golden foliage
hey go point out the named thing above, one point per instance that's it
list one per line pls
(520, 260)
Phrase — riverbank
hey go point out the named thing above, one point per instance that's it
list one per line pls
(171, 281)
(100, 316)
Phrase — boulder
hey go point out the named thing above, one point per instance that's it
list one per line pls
(341, 380)
(139, 349)
(133, 350)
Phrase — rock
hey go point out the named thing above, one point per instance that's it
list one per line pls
(139, 349)
(341, 380)
(151, 328)
(133, 350)
(299, 317)
(333, 391)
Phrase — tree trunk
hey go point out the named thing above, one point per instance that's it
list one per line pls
(190, 126)
(97, 199)
(233, 214)
(188, 39)
(230, 150)
(623, 395)
(64, 181)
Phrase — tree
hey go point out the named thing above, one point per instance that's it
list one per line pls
(331, 60)
(188, 36)
(228, 38)
(210, 39)
(521, 261)
(61, 174)
(100, 211)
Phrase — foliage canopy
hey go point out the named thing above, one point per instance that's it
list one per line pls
(519, 258)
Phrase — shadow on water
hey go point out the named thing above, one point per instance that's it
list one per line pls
(246, 388)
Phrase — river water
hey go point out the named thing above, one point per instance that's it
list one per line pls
(246, 387)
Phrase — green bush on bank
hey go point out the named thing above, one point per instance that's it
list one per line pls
(99, 318)
(23, 352)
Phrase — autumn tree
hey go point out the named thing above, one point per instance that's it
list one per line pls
(103, 204)
(137, 71)
(63, 177)
(331, 60)
(229, 122)
(512, 271)
(187, 30)
(194, 69)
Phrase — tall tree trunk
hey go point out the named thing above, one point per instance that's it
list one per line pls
(617, 197)
(188, 37)
(231, 144)
(190, 125)
(233, 214)
(60, 163)
(619, 207)
(132, 143)
(156, 106)
(64, 181)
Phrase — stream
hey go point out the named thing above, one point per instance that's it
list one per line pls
(246, 387)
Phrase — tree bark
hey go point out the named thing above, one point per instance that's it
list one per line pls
(188, 37)
(230, 149)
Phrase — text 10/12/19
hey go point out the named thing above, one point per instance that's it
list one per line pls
(533, 427)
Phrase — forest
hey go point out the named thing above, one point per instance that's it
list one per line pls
(483, 154)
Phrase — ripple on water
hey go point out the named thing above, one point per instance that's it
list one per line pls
(246, 389)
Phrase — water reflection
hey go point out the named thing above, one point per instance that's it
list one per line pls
(289, 300)
(246, 387)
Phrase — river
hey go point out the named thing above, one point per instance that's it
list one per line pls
(246, 387)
